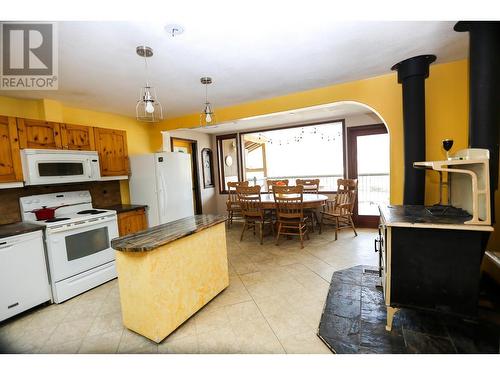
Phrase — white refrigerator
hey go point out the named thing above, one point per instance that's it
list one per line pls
(162, 181)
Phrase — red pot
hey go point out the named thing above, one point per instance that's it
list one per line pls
(45, 213)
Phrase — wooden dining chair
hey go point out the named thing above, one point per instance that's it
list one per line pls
(271, 183)
(232, 204)
(290, 212)
(311, 186)
(340, 210)
(252, 211)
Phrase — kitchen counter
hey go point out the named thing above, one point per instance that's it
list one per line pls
(14, 229)
(163, 234)
(120, 208)
(169, 272)
(426, 217)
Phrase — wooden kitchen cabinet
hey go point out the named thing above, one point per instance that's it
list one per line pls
(39, 134)
(77, 137)
(132, 221)
(111, 145)
(10, 160)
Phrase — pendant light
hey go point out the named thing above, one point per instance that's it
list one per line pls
(148, 108)
(207, 116)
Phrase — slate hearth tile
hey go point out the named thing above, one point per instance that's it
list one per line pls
(472, 338)
(419, 343)
(337, 328)
(372, 296)
(375, 337)
(418, 321)
(345, 291)
(349, 276)
(346, 308)
(372, 313)
(340, 347)
(370, 280)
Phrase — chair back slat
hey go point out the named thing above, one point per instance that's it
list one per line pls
(250, 202)
(346, 195)
(231, 190)
(311, 186)
(289, 201)
(271, 183)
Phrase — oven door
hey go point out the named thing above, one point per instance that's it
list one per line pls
(52, 168)
(78, 249)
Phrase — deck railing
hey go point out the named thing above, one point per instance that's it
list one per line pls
(373, 188)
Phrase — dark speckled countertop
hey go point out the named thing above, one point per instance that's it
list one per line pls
(14, 229)
(163, 234)
(119, 208)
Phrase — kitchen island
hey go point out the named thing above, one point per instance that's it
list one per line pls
(168, 272)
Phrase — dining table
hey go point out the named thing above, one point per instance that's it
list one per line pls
(309, 200)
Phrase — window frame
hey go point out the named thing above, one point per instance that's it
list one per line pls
(303, 125)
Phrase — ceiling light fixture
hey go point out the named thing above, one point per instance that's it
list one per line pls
(174, 29)
(148, 107)
(207, 116)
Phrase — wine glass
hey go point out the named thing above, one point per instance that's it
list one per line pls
(447, 145)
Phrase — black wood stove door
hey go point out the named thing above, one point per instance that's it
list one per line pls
(436, 269)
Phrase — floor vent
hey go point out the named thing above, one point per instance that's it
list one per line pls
(367, 270)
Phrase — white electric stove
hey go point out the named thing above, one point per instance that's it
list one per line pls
(78, 241)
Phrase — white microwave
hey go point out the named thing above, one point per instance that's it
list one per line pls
(41, 167)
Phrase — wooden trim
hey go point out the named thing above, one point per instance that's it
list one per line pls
(218, 141)
(15, 149)
(366, 221)
(194, 166)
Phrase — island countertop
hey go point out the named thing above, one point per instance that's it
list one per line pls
(163, 234)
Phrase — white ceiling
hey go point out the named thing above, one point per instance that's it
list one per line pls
(320, 113)
(250, 56)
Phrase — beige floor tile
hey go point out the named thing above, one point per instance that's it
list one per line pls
(287, 325)
(220, 341)
(133, 343)
(106, 343)
(243, 312)
(49, 316)
(106, 323)
(184, 345)
(304, 343)
(69, 331)
(83, 309)
(30, 341)
(211, 320)
(68, 347)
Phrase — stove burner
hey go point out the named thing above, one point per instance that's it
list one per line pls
(55, 219)
(91, 212)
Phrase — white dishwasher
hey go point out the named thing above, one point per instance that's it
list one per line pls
(24, 281)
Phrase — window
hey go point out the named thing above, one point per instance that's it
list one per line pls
(227, 155)
(306, 152)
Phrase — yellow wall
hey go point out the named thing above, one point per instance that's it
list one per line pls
(51, 110)
(446, 106)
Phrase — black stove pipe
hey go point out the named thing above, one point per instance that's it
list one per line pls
(412, 73)
(484, 92)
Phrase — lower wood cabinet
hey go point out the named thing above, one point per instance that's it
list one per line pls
(132, 221)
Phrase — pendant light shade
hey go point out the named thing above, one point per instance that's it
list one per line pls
(207, 116)
(148, 107)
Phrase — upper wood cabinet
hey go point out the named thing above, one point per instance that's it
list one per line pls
(39, 134)
(77, 137)
(112, 148)
(10, 160)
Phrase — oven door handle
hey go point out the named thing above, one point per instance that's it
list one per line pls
(90, 223)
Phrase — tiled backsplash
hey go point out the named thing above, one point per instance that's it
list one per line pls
(104, 193)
